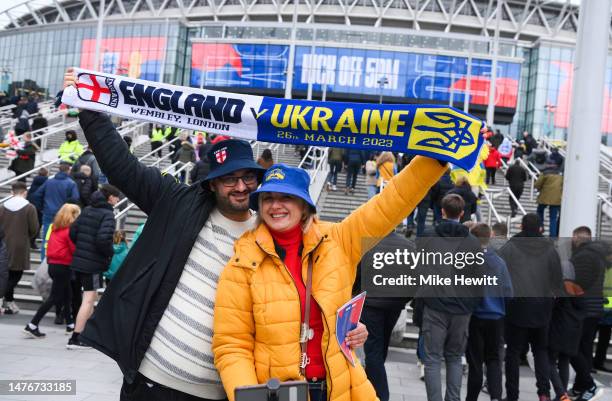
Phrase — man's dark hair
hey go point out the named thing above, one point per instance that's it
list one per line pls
(64, 167)
(266, 154)
(500, 229)
(582, 231)
(453, 205)
(19, 187)
(43, 171)
(531, 223)
(483, 232)
(581, 235)
(109, 190)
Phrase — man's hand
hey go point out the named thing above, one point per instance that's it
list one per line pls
(357, 337)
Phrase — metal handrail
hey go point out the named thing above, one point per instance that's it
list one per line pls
(124, 212)
(320, 163)
(601, 200)
(492, 208)
(532, 175)
(18, 177)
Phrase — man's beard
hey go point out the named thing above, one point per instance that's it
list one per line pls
(225, 203)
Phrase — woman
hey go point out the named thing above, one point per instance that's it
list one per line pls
(120, 249)
(385, 165)
(261, 297)
(492, 163)
(59, 257)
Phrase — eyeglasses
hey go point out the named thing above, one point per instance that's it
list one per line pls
(232, 181)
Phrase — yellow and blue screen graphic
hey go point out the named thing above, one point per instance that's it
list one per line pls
(443, 133)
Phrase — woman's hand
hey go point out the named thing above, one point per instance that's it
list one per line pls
(69, 78)
(357, 337)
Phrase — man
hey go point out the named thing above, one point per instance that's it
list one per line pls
(86, 184)
(166, 298)
(52, 195)
(334, 159)
(380, 315)
(87, 158)
(499, 236)
(20, 224)
(37, 182)
(550, 187)
(447, 309)
(516, 175)
(354, 160)
(92, 235)
(486, 330)
(157, 138)
(589, 261)
(535, 271)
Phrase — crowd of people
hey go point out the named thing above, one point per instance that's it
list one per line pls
(245, 281)
(519, 159)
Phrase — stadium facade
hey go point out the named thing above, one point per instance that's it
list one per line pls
(430, 51)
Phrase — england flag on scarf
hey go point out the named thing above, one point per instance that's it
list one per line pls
(96, 88)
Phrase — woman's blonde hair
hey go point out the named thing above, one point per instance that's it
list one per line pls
(308, 215)
(119, 237)
(66, 216)
(385, 157)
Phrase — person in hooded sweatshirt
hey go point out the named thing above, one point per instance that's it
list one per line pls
(52, 195)
(20, 224)
(486, 332)
(446, 309)
(535, 270)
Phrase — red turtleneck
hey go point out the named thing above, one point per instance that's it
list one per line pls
(291, 242)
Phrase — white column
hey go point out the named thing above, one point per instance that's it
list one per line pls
(291, 61)
(580, 182)
(99, 36)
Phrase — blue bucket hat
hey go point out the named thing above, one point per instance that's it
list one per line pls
(286, 180)
(230, 155)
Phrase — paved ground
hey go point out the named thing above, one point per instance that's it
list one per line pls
(99, 379)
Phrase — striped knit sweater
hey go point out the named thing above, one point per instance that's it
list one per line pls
(180, 355)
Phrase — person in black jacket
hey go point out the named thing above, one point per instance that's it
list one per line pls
(438, 192)
(447, 309)
(354, 159)
(86, 184)
(516, 175)
(380, 315)
(37, 182)
(26, 157)
(470, 201)
(535, 271)
(589, 261)
(199, 171)
(92, 235)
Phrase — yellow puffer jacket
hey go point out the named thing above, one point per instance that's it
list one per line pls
(257, 309)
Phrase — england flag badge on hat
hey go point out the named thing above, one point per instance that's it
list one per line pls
(221, 155)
